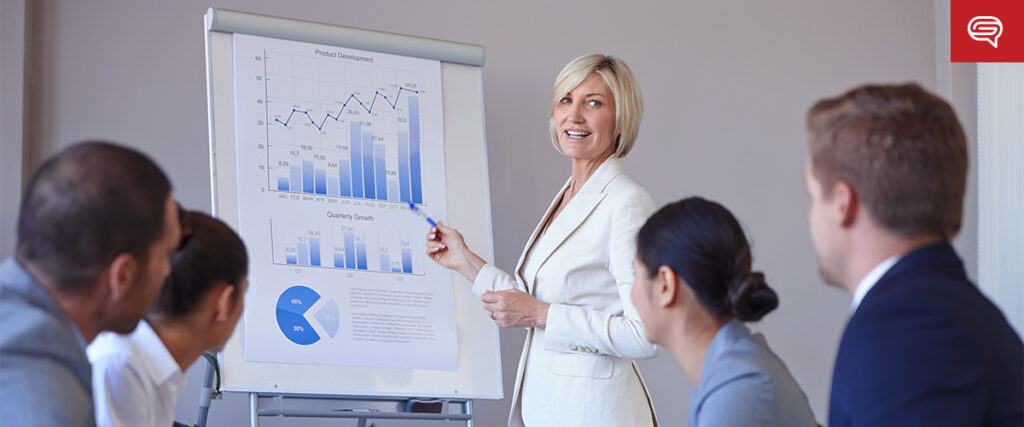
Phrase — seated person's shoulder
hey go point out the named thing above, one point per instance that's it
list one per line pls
(737, 380)
(40, 355)
(930, 321)
(110, 345)
(914, 325)
(30, 326)
(745, 366)
(926, 303)
(751, 376)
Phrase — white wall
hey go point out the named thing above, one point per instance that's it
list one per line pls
(726, 86)
(1001, 181)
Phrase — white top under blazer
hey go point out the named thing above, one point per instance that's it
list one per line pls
(579, 370)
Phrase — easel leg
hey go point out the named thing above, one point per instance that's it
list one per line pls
(206, 396)
(254, 413)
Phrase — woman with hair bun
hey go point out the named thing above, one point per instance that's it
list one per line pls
(694, 290)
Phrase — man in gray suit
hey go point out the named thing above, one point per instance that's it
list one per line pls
(96, 227)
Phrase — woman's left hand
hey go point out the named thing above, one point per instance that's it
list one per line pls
(513, 308)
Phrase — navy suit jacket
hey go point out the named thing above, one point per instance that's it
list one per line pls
(926, 348)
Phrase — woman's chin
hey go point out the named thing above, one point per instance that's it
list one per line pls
(581, 150)
(585, 154)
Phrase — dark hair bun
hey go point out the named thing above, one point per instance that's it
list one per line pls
(704, 244)
(751, 298)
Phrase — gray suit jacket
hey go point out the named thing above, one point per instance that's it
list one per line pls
(744, 384)
(45, 378)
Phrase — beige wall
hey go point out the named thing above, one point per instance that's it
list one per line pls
(726, 86)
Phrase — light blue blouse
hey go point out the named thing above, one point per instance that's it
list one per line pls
(744, 383)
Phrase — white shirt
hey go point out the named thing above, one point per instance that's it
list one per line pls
(135, 380)
(870, 280)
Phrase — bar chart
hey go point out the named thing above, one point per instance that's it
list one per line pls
(331, 145)
(345, 247)
(356, 140)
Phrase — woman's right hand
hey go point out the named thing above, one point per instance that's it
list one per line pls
(446, 247)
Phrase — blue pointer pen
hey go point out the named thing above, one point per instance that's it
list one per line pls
(417, 211)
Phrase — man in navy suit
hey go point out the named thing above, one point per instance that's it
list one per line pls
(923, 347)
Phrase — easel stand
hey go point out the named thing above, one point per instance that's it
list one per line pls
(362, 409)
(359, 408)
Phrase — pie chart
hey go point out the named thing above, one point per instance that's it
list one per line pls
(292, 308)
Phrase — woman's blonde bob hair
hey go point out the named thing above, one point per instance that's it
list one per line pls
(629, 103)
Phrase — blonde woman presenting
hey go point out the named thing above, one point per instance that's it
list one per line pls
(571, 286)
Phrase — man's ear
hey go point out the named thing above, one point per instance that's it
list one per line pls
(666, 287)
(846, 204)
(224, 302)
(121, 274)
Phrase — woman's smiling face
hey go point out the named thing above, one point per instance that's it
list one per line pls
(586, 120)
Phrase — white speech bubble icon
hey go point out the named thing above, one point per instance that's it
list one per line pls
(985, 29)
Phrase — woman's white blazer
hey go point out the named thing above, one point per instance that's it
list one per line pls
(593, 331)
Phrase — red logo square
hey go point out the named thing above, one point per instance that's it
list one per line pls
(986, 31)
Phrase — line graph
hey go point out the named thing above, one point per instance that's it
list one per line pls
(369, 109)
(357, 149)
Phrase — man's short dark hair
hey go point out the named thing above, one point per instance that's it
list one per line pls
(86, 205)
(902, 150)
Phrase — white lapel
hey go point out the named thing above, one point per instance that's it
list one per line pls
(536, 233)
(578, 209)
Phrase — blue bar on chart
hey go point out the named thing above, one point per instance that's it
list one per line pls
(392, 190)
(307, 177)
(361, 254)
(321, 181)
(303, 254)
(368, 185)
(346, 178)
(332, 186)
(296, 180)
(406, 260)
(290, 259)
(403, 165)
(385, 263)
(339, 260)
(282, 184)
(355, 142)
(414, 148)
(381, 172)
(350, 249)
(314, 251)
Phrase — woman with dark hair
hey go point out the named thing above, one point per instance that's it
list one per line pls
(694, 289)
(137, 377)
